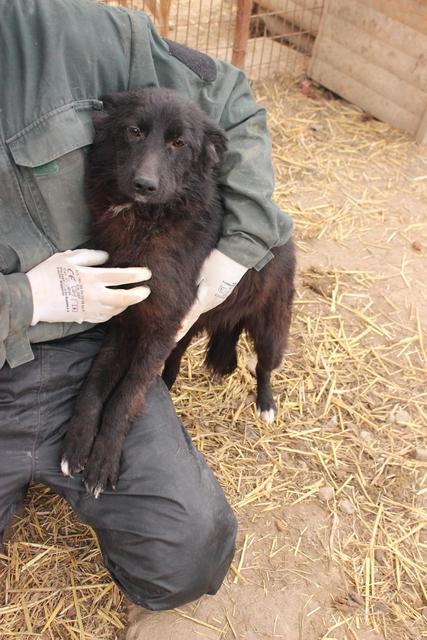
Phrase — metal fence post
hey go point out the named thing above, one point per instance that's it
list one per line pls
(241, 32)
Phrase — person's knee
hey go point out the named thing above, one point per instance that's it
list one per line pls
(210, 547)
(193, 562)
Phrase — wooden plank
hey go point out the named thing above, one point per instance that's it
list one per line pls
(363, 96)
(381, 27)
(368, 74)
(413, 13)
(402, 64)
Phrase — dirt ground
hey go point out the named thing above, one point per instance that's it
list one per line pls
(330, 498)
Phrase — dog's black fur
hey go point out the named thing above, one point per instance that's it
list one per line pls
(154, 199)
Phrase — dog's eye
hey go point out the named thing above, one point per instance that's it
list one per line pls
(178, 143)
(135, 132)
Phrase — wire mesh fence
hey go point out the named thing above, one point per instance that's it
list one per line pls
(265, 38)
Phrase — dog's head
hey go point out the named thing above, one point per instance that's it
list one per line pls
(152, 145)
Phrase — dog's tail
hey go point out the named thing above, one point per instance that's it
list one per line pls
(221, 356)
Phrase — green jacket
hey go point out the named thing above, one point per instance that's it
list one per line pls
(57, 58)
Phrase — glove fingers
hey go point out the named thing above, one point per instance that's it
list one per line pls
(116, 276)
(122, 298)
(114, 302)
(138, 294)
(86, 257)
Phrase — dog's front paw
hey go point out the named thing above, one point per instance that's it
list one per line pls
(103, 467)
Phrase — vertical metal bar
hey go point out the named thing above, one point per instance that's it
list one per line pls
(212, 20)
(273, 65)
(188, 24)
(199, 25)
(230, 30)
(241, 32)
(177, 20)
(220, 32)
(263, 66)
(251, 66)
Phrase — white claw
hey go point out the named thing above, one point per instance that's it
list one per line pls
(65, 468)
(267, 416)
(97, 491)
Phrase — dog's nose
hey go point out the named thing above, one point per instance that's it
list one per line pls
(145, 184)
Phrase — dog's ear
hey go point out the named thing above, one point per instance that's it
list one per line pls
(110, 102)
(99, 118)
(126, 99)
(216, 144)
(113, 100)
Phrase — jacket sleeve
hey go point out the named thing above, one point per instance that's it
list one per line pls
(253, 224)
(16, 310)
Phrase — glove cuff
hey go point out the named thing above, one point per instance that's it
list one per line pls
(19, 305)
(20, 301)
(220, 267)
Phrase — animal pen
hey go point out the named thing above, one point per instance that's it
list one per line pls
(263, 38)
(331, 497)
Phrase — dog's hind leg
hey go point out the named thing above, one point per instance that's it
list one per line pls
(269, 331)
(173, 363)
(221, 355)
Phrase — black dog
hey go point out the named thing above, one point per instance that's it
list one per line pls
(154, 199)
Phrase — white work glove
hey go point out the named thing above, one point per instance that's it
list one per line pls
(67, 288)
(218, 277)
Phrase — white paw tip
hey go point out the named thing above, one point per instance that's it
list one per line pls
(267, 416)
(65, 468)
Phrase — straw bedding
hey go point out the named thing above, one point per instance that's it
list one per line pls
(350, 437)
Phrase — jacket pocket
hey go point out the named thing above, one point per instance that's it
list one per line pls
(51, 156)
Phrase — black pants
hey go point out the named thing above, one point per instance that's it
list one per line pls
(167, 533)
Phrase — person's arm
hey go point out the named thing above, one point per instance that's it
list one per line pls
(253, 224)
